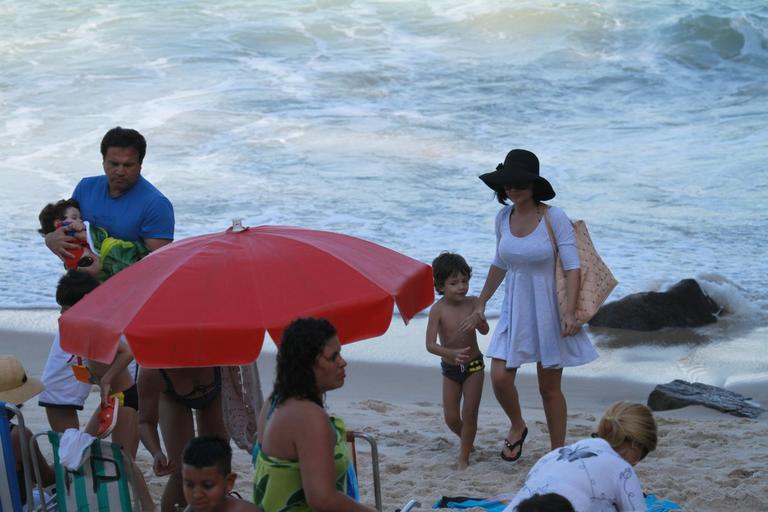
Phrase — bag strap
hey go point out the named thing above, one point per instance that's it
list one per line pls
(555, 248)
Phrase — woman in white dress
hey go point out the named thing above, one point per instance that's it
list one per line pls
(597, 475)
(531, 329)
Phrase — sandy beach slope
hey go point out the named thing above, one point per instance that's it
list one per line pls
(706, 461)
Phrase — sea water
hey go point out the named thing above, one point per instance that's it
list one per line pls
(375, 118)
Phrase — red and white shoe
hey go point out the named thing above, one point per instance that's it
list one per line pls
(108, 417)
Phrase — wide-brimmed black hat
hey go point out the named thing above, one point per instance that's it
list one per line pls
(520, 166)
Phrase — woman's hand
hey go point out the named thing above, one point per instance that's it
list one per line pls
(161, 465)
(570, 325)
(475, 319)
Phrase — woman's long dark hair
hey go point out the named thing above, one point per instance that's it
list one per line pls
(302, 341)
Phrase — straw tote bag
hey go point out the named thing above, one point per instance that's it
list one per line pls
(597, 281)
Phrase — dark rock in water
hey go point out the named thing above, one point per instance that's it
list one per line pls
(683, 305)
(680, 393)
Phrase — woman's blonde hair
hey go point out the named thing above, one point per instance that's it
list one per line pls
(631, 421)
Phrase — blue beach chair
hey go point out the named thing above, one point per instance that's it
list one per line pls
(102, 483)
(10, 493)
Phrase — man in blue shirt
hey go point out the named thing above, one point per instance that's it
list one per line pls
(121, 201)
(128, 207)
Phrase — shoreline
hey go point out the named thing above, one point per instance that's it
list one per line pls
(402, 347)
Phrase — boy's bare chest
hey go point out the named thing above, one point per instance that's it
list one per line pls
(453, 315)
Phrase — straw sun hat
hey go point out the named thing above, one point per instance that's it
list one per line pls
(15, 386)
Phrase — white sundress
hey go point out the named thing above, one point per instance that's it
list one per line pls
(528, 330)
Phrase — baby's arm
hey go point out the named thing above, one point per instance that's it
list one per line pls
(454, 355)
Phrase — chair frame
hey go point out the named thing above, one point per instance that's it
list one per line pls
(26, 460)
(351, 436)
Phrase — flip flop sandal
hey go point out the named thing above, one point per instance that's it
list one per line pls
(512, 446)
(108, 416)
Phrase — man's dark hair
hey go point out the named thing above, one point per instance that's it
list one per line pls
(53, 212)
(209, 450)
(551, 502)
(73, 286)
(124, 138)
(447, 264)
(302, 341)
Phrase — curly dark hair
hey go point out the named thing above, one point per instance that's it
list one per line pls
(53, 212)
(302, 341)
(447, 264)
(124, 138)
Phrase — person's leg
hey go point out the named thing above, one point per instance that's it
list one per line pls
(93, 424)
(451, 403)
(472, 390)
(555, 407)
(60, 419)
(211, 421)
(503, 380)
(145, 498)
(177, 428)
(126, 431)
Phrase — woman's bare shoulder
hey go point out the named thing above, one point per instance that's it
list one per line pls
(306, 410)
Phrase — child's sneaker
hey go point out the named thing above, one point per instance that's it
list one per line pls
(108, 417)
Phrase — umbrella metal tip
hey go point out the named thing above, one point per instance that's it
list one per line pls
(237, 225)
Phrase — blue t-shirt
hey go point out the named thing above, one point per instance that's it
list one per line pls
(140, 213)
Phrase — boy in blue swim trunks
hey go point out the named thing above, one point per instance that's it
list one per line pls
(462, 363)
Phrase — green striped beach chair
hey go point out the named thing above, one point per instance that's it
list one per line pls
(102, 483)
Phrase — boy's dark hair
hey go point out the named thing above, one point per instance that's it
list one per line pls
(124, 138)
(73, 286)
(302, 341)
(551, 502)
(209, 450)
(53, 212)
(447, 264)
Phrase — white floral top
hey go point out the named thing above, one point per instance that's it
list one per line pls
(590, 474)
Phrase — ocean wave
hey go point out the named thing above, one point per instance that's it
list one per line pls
(704, 41)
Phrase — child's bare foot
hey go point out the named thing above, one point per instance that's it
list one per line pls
(462, 465)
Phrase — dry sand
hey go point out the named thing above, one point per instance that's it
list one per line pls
(706, 460)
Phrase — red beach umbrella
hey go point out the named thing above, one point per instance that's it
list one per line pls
(208, 300)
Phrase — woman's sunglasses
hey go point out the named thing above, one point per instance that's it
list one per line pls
(519, 185)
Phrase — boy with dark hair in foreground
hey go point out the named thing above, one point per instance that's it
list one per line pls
(208, 478)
